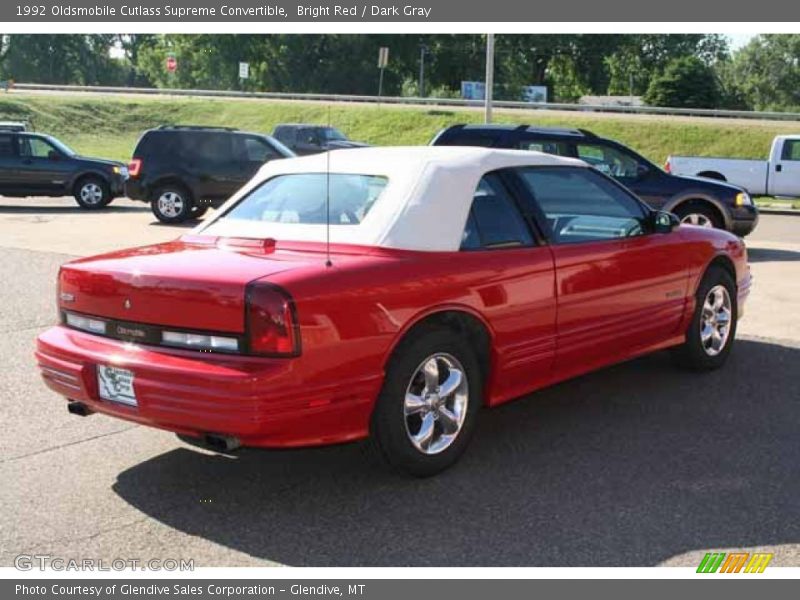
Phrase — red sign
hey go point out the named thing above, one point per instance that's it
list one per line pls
(172, 64)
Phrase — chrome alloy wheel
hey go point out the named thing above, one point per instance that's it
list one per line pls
(170, 204)
(436, 403)
(698, 219)
(91, 193)
(715, 320)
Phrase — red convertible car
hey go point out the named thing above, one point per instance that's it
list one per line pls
(388, 293)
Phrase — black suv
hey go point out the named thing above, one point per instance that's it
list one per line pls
(34, 164)
(183, 170)
(312, 139)
(694, 200)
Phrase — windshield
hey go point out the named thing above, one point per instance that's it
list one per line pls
(332, 134)
(301, 198)
(60, 145)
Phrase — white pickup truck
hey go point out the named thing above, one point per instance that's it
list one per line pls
(777, 176)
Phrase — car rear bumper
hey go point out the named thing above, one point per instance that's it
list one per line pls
(136, 191)
(261, 402)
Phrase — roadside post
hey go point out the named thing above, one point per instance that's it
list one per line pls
(383, 60)
(244, 73)
(487, 117)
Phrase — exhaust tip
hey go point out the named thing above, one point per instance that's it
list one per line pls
(221, 443)
(79, 409)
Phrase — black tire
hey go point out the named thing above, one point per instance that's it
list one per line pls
(700, 209)
(92, 193)
(199, 211)
(389, 431)
(692, 354)
(172, 203)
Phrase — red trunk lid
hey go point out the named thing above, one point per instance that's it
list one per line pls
(189, 285)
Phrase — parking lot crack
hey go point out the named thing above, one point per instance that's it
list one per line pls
(65, 445)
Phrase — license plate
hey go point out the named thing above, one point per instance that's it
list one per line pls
(116, 385)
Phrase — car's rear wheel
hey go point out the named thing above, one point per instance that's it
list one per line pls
(695, 213)
(711, 333)
(426, 412)
(172, 204)
(92, 193)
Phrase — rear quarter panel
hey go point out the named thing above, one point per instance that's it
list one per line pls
(353, 314)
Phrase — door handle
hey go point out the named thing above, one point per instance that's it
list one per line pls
(778, 168)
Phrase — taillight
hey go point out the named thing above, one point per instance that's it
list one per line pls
(134, 167)
(271, 321)
(667, 166)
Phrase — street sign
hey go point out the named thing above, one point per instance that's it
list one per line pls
(172, 64)
(244, 70)
(473, 90)
(383, 57)
(534, 93)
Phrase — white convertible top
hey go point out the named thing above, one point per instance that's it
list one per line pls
(424, 206)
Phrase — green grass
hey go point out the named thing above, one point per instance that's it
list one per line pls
(780, 203)
(110, 126)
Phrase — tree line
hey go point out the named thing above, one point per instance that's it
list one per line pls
(692, 70)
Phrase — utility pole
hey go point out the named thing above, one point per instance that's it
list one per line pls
(489, 77)
(423, 49)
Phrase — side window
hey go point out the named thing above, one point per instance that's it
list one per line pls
(546, 146)
(494, 220)
(791, 150)
(609, 161)
(308, 135)
(257, 150)
(285, 135)
(6, 147)
(582, 206)
(35, 148)
(209, 148)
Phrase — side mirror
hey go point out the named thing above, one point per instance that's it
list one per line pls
(53, 155)
(664, 222)
(642, 171)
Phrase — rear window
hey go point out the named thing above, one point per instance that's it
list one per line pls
(301, 198)
(155, 143)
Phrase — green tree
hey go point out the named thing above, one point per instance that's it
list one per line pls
(66, 59)
(766, 72)
(686, 82)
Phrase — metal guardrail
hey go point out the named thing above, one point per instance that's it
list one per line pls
(398, 100)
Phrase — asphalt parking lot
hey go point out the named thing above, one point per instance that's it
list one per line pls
(636, 465)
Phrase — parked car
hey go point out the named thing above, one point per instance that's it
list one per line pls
(310, 139)
(183, 170)
(454, 278)
(779, 175)
(35, 164)
(695, 201)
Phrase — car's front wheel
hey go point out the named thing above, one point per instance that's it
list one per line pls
(426, 412)
(701, 215)
(172, 204)
(711, 333)
(92, 193)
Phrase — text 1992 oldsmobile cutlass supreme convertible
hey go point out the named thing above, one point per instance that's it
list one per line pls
(456, 278)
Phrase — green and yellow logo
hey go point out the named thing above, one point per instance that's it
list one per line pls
(734, 562)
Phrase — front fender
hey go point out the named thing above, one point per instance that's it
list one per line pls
(677, 200)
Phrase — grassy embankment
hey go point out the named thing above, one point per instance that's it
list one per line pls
(109, 126)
